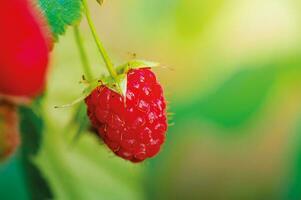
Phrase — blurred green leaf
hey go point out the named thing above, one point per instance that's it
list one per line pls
(85, 169)
(60, 14)
(80, 120)
(294, 187)
(31, 127)
(235, 101)
(12, 183)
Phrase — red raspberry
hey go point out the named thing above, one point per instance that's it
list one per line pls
(135, 129)
(23, 49)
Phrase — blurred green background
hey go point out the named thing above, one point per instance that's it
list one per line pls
(232, 79)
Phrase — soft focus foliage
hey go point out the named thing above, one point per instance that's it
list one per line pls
(232, 78)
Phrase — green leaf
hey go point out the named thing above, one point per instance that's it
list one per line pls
(60, 14)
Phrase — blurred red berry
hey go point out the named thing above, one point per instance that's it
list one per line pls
(135, 129)
(23, 49)
(9, 130)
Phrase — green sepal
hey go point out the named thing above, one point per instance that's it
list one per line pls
(122, 71)
(86, 92)
(136, 64)
(75, 102)
(118, 85)
(123, 84)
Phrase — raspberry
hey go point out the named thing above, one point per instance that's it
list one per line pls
(133, 129)
(24, 49)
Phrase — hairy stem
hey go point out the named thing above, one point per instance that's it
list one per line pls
(82, 52)
(98, 42)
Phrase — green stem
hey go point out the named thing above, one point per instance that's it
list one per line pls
(99, 44)
(83, 55)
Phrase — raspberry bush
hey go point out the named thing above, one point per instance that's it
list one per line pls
(127, 106)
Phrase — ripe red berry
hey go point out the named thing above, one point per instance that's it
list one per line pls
(23, 49)
(133, 129)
